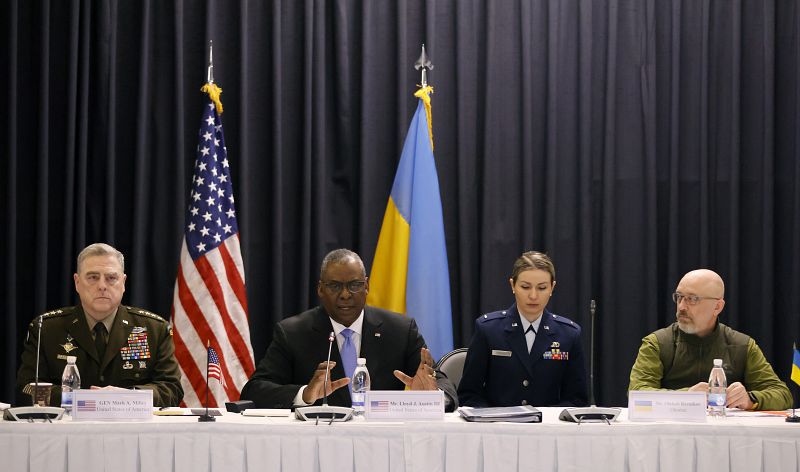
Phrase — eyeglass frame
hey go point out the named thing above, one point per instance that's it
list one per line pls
(331, 287)
(691, 300)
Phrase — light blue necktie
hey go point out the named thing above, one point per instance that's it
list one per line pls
(348, 354)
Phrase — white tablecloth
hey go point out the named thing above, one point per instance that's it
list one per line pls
(237, 443)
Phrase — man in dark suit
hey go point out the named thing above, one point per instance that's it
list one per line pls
(116, 346)
(292, 373)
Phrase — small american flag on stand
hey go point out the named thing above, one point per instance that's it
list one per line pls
(209, 305)
(214, 368)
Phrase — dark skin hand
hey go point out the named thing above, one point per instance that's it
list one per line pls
(316, 386)
(425, 377)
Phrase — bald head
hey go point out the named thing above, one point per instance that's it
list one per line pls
(700, 300)
(706, 281)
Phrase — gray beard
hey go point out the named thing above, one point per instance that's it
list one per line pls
(687, 328)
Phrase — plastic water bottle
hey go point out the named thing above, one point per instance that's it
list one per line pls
(360, 384)
(717, 385)
(70, 380)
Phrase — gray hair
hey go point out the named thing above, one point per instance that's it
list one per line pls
(100, 249)
(338, 256)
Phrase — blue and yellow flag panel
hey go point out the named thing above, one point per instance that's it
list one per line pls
(796, 367)
(410, 273)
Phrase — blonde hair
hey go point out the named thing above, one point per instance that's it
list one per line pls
(533, 260)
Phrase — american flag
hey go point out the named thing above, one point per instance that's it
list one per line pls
(87, 405)
(379, 406)
(210, 302)
(214, 367)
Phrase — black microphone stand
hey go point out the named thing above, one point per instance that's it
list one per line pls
(35, 411)
(593, 413)
(325, 411)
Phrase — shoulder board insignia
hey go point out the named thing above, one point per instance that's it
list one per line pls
(565, 321)
(56, 313)
(492, 316)
(140, 311)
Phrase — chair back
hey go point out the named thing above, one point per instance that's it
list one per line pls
(452, 364)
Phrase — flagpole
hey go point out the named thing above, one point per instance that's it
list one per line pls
(794, 418)
(425, 64)
(210, 74)
(206, 418)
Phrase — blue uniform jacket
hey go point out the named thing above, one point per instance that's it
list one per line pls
(499, 371)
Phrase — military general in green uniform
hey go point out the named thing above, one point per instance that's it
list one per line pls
(680, 357)
(116, 346)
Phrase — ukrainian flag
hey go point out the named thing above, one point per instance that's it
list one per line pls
(410, 273)
(796, 366)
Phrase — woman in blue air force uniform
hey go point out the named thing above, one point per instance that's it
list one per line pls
(525, 355)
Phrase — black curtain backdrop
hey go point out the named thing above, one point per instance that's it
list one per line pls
(632, 140)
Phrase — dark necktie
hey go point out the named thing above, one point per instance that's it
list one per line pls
(100, 340)
(530, 328)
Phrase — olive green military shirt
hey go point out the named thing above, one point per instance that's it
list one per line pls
(139, 354)
(693, 358)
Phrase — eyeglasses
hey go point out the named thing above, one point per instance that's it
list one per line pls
(691, 300)
(354, 286)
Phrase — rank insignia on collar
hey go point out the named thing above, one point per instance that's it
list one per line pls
(127, 365)
(125, 321)
(377, 335)
(513, 324)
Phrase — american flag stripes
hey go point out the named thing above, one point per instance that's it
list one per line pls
(214, 367)
(210, 303)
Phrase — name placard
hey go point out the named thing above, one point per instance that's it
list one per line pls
(404, 405)
(666, 406)
(111, 405)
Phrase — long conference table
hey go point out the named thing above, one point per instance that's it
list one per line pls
(748, 443)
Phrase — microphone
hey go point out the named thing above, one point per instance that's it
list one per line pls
(325, 411)
(593, 413)
(331, 337)
(35, 412)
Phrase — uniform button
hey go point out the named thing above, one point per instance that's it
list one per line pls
(136, 375)
(525, 383)
(102, 378)
(524, 402)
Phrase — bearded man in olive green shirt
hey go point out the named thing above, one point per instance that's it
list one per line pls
(681, 356)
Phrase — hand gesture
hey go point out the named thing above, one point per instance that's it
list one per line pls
(316, 386)
(425, 378)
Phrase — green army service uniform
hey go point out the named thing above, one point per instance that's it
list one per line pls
(670, 359)
(139, 353)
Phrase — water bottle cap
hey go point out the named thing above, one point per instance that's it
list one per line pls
(361, 361)
(71, 359)
(718, 362)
